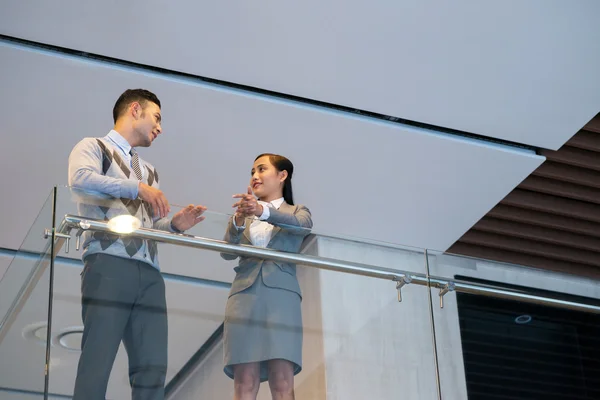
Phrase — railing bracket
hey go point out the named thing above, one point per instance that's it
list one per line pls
(448, 287)
(404, 280)
(48, 234)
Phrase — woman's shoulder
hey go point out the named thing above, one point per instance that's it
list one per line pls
(295, 207)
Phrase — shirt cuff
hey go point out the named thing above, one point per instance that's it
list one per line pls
(130, 189)
(238, 227)
(172, 228)
(266, 213)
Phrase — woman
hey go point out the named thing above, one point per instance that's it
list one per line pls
(263, 320)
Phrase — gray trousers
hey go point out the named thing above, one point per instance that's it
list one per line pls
(122, 300)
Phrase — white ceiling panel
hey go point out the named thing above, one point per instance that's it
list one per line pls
(5, 261)
(195, 312)
(524, 71)
(378, 180)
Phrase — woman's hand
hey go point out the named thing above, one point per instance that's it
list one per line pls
(247, 206)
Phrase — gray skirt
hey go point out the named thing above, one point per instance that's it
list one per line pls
(261, 324)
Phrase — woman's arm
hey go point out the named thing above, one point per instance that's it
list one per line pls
(299, 223)
(233, 234)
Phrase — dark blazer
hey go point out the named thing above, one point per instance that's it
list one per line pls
(291, 225)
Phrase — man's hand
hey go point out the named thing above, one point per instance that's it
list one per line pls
(248, 205)
(188, 217)
(156, 198)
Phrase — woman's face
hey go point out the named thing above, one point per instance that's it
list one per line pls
(266, 181)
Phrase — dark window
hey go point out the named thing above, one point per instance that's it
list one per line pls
(520, 351)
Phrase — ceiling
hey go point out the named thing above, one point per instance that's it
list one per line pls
(519, 71)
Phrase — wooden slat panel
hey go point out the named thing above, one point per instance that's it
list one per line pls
(518, 245)
(554, 205)
(539, 218)
(552, 219)
(525, 259)
(561, 189)
(567, 173)
(593, 125)
(575, 157)
(585, 140)
(538, 233)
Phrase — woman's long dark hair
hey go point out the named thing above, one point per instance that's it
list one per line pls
(282, 164)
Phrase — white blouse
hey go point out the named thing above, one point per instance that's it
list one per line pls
(260, 229)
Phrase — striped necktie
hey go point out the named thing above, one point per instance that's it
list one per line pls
(135, 164)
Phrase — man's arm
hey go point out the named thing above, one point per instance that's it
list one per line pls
(85, 172)
(166, 224)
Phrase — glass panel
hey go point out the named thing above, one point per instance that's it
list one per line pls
(24, 289)
(497, 336)
(504, 331)
(355, 332)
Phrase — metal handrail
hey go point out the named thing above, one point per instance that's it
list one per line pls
(71, 222)
(331, 264)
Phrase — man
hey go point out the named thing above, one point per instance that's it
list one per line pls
(123, 292)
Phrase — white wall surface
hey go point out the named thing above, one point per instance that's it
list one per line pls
(379, 348)
(370, 179)
(514, 70)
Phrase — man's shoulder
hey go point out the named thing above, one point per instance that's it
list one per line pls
(92, 142)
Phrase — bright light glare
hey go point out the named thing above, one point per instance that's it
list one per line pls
(124, 224)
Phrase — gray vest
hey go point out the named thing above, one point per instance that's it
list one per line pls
(106, 208)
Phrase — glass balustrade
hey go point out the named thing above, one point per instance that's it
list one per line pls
(370, 320)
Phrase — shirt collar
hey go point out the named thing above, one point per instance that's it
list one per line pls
(277, 203)
(119, 140)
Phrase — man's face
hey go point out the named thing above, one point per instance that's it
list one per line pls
(147, 124)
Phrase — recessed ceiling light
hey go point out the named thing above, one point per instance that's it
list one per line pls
(69, 339)
(523, 319)
(36, 332)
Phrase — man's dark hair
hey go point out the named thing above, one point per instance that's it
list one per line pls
(129, 96)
